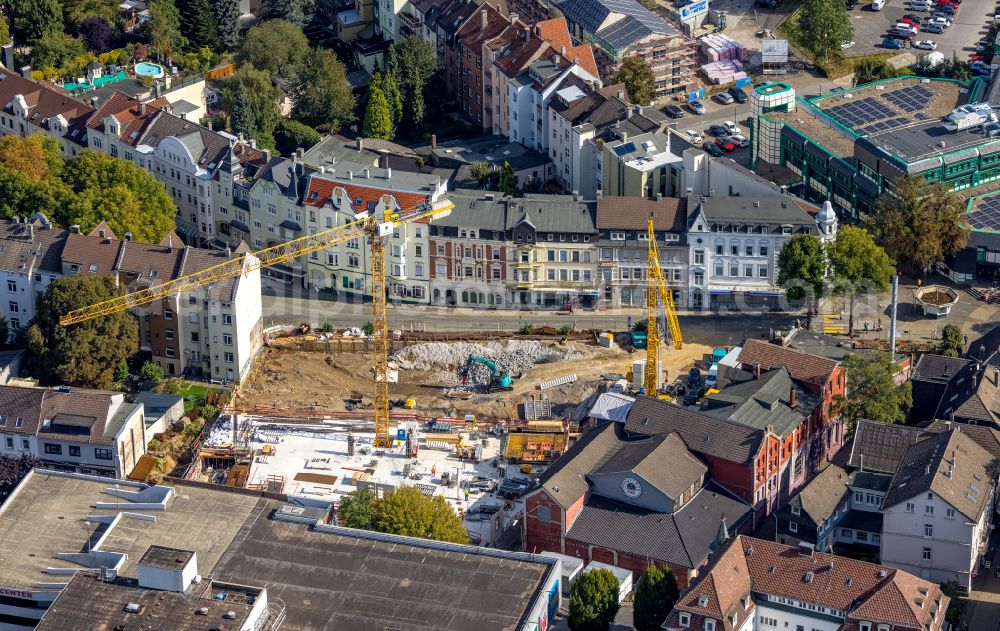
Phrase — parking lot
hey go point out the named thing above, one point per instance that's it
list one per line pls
(969, 25)
(716, 114)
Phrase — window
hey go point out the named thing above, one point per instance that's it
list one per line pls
(74, 450)
(10, 443)
(709, 624)
(796, 510)
(684, 619)
(859, 497)
(927, 554)
(928, 530)
(793, 527)
(544, 514)
(12, 285)
(768, 622)
(103, 454)
(227, 318)
(862, 536)
(699, 257)
(13, 307)
(51, 448)
(949, 513)
(719, 267)
(763, 249)
(846, 533)
(229, 357)
(748, 271)
(909, 507)
(928, 510)
(227, 340)
(167, 315)
(734, 268)
(720, 249)
(762, 271)
(617, 236)
(171, 352)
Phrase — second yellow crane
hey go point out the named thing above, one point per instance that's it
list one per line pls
(365, 226)
(657, 292)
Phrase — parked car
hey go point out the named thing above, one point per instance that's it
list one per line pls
(739, 140)
(945, 9)
(877, 5)
(725, 98)
(889, 42)
(846, 45)
(694, 136)
(696, 107)
(851, 4)
(932, 28)
(904, 26)
(919, 5)
(940, 21)
(912, 19)
(717, 130)
(925, 44)
(731, 127)
(724, 143)
(898, 34)
(738, 94)
(979, 68)
(674, 112)
(712, 149)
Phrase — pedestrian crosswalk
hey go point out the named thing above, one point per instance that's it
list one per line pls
(833, 324)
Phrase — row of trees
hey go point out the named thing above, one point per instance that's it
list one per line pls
(400, 93)
(593, 600)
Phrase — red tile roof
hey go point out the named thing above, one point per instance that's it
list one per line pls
(129, 112)
(321, 189)
(555, 32)
(801, 366)
(44, 102)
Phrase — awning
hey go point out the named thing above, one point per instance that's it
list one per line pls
(291, 225)
(765, 293)
(720, 292)
(239, 225)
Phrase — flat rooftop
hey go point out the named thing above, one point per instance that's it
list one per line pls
(902, 117)
(347, 579)
(49, 516)
(984, 214)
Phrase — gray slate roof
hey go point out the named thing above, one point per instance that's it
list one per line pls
(546, 213)
(762, 402)
(770, 211)
(647, 457)
(938, 368)
(823, 494)
(926, 465)
(636, 21)
(684, 538)
(564, 479)
(879, 446)
(702, 433)
(986, 437)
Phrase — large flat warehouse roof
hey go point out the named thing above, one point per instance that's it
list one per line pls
(49, 516)
(348, 579)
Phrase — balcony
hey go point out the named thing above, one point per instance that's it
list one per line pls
(411, 22)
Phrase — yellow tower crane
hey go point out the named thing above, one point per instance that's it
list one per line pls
(657, 291)
(364, 226)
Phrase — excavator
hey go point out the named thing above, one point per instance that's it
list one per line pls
(500, 381)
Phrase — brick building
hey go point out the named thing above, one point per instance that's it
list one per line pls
(490, 28)
(610, 499)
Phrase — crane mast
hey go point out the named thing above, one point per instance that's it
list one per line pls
(365, 227)
(657, 292)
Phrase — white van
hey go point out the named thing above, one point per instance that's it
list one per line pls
(877, 5)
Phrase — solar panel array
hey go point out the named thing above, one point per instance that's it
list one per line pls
(881, 126)
(627, 148)
(921, 116)
(910, 99)
(862, 112)
(986, 215)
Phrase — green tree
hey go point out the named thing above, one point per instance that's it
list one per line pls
(55, 50)
(868, 70)
(655, 596)
(37, 156)
(4, 331)
(31, 20)
(241, 114)
(395, 98)
(253, 89)
(151, 371)
(122, 372)
(378, 117)
(958, 604)
(952, 341)
(76, 11)
(4, 29)
(407, 511)
(413, 62)
(872, 392)
(119, 192)
(295, 11)
(164, 29)
(323, 98)
(198, 25)
(593, 601)
(482, 171)
(637, 75)
(508, 180)
(858, 265)
(227, 23)
(84, 354)
(358, 509)
(277, 47)
(823, 25)
(802, 268)
(13, 469)
(921, 224)
(290, 135)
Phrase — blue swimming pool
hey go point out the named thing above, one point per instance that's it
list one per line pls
(146, 69)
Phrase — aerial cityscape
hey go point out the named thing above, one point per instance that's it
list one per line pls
(499, 315)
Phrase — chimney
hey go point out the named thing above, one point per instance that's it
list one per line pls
(756, 371)
(483, 19)
(26, 72)
(562, 50)
(75, 228)
(267, 156)
(792, 396)
(94, 101)
(350, 175)
(301, 153)
(659, 197)
(367, 172)
(7, 55)
(253, 143)
(527, 35)
(170, 243)
(513, 18)
(359, 143)
(142, 108)
(388, 172)
(128, 236)
(556, 59)
(576, 196)
(208, 124)
(434, 142)
(996, 376)
(975, 381)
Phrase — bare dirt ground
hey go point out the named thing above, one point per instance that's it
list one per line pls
(323, 381)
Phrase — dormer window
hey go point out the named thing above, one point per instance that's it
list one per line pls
(703, 600)
(684, 619)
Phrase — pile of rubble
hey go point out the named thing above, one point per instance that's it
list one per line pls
(514, 357)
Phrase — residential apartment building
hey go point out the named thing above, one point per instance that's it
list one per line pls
(962, 390)
(71, 429)
(212, 332)
(386, 20)
(29, 260)
(333, 197)
(196, 165)
(610, 499)
(621, 28)
(356, 22)
(623, 247)
(641, 166)
(530, 94)
(475, 42)
(735, 243)
(939, 508)
(536, 250)
(27, 107)
(758, 584)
